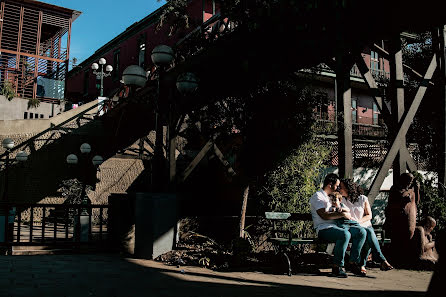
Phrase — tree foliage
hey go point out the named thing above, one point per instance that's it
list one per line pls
(71, 190)
(8, 90)
(174, 13)
(432, 202)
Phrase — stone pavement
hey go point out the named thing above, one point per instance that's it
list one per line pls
(113, 275)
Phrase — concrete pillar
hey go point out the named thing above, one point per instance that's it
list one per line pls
(156, 217)
(85, 227)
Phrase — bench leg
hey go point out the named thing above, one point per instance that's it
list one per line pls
(289, 263)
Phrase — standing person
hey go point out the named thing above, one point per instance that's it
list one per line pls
(327, 229)
(361, 212)
(401, 216)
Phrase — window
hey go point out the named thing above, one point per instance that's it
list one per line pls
(375, 114)
(31, 115)
(25, 115)
(374, 61)
(86, 79)
(141, 50)
(115, 73)
(41, 116)
(354, 111)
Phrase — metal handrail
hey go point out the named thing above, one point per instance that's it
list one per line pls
(55, 127)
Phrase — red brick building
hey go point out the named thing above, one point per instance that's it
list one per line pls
(131, 47)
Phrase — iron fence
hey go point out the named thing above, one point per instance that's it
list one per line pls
(51, 224)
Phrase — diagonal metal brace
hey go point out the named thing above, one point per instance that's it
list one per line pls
(402, 131)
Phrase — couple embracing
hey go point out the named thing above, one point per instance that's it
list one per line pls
(341, 213)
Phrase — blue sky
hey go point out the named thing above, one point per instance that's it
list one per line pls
(102, 20)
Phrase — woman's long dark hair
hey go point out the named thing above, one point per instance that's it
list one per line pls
(353, 189)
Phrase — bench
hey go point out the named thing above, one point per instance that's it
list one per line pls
(283, 239)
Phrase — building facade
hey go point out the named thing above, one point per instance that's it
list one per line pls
(35, 48)
(132, 47)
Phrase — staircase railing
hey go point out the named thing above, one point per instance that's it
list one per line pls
(56, 131)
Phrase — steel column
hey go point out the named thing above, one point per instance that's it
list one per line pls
(439, 40)
(19, 45)
(397, 99)
(2, 16)
(172, 153)
(69, 39)
(36, 60)
(344, 115)
(158, 168)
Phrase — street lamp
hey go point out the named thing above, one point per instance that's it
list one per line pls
(162, 56)
(101, 74)
(97, 160)
(82, 227)
(187, 83)
(134, 75)
(21, 156)
(9, 212)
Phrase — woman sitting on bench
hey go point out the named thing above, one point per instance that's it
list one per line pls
(361, 212)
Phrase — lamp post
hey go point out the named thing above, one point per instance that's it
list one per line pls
(101, 73)
(97, 160)
(187, 84)
(162, 56)
(7, 225)
(83, 219)
(21, 156)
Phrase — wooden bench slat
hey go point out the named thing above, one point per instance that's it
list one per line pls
(277, 215)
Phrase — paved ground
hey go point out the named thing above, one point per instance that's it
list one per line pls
(112, 275)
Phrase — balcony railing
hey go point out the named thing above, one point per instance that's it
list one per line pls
(325, 127)
(354, 72)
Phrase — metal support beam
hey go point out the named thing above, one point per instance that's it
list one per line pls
(2, 14)
(344, 115)
(402, 131)
(196, 160)
(438, 43)
(368, 78)
(36, 60)
(172, 145)
(397, 99)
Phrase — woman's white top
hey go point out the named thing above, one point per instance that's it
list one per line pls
(357, 209)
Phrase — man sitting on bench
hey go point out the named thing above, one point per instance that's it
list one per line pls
(328, 230)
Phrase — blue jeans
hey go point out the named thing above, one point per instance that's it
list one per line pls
(371, 245)
(341, 237)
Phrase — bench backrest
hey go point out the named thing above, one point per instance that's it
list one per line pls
(272, 215)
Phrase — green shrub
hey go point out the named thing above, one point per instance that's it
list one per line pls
(33, 103)
(8, 90)
(289, 187)
(432, 201)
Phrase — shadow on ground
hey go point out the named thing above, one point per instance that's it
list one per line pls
(112, 275)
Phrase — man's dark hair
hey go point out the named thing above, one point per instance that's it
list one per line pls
(330, 179)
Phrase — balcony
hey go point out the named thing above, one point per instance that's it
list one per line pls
(323, 69)
(326, 127)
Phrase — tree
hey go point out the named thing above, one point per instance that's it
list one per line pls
(275, 122)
